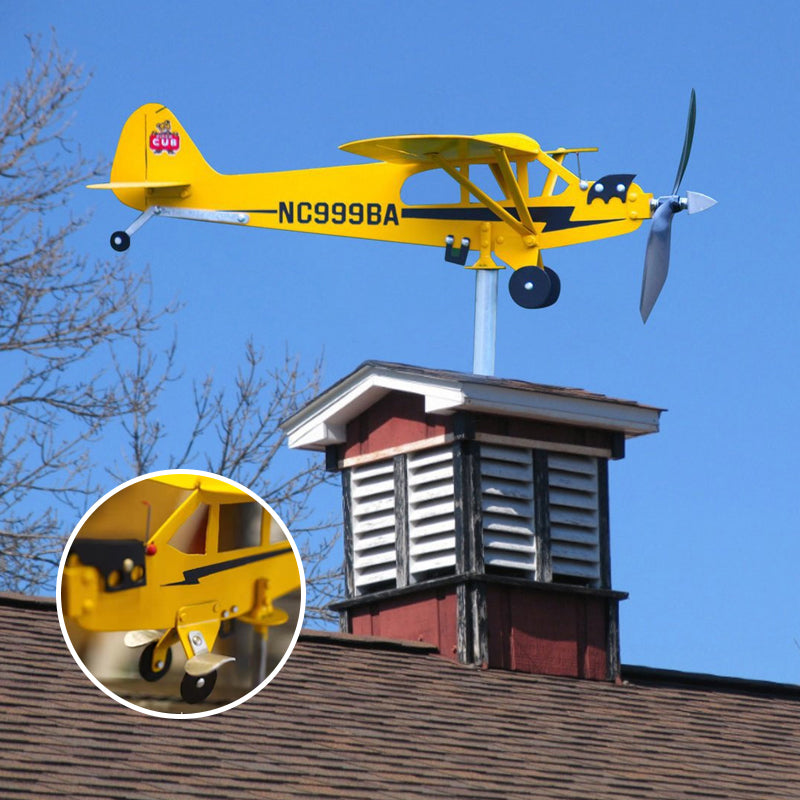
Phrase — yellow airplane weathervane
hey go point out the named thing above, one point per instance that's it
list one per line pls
(159, 171)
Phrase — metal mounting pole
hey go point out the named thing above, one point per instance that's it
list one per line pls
(485, 321)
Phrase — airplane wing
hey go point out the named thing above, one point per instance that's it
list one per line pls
(141, 185)
(422, 148)
(203, 483)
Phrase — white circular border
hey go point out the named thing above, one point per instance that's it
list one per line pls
(252, 692)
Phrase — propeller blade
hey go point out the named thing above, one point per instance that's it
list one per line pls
(687, 142)
(656, 258)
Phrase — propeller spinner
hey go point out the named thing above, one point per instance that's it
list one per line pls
(656, 259)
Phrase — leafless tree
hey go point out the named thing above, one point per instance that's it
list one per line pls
(62, 315)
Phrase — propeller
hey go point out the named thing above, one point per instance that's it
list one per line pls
(656, 258)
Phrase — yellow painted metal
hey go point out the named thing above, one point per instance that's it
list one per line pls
(421, 148)
(188, 480)
(484, 198)
(263, 615)
(513, 189)
(185, 591)
(552, 176)
(364, 200)
(484, 243)
(159, 655)
(202, 619)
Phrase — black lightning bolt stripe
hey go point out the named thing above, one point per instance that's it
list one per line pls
(555, 218)
(192, 576)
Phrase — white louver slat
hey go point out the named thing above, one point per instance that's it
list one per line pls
(507, 508)
(373, 525)
(574, 518)
(431, 512)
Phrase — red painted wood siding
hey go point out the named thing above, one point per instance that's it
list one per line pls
(397, 419)
(428, 616)
(547, 634)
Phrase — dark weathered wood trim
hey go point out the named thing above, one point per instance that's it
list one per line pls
(345, 621)
(604, 528)
(463, 425)
(468, 509)
(617, 445)
(480, 617)
(464, 627)
(332, 458)
(475, 507)
(461, 501)
(455, 580)
(401, 519)
(612, 641)
(541, 514)
(347, 529)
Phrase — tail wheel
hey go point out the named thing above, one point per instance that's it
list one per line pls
(195, 688)
(147, 669)
(531, 287)
(120, 241)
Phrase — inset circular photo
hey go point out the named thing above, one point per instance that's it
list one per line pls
(181, 593)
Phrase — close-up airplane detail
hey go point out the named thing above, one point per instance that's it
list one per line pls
(159, 171)
(213, 560)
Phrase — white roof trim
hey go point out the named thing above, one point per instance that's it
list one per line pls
(324, 420)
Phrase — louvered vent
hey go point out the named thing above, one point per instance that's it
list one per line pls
(373, 525)
(431, 513)
(507, 509)
(574, 518)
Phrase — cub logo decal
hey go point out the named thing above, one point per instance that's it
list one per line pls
(165, 140)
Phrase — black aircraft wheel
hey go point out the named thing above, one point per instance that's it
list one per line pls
(530, 287)
(146, 664)
(120, 241)
(195, 688)
(555, 287)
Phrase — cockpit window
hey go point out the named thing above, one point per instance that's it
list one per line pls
(239, 526)
(191, 536)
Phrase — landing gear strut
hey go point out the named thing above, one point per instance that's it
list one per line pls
(146, 668)
(534, 287)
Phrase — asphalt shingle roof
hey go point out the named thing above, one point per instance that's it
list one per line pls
(352, 718)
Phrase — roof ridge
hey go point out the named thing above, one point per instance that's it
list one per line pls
(19, 600)
(703, 680)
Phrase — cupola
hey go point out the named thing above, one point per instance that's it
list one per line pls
(476, 513)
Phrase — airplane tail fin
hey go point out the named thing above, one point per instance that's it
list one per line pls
(154, 155)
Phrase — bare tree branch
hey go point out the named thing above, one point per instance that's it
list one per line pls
(61, 318)
(62, 315)
(235, 431)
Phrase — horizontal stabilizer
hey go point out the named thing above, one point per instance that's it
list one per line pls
(141, 185)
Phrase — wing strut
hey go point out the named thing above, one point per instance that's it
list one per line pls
(527, 234)
(513, 187)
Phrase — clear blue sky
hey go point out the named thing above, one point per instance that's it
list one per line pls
(705, 516)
